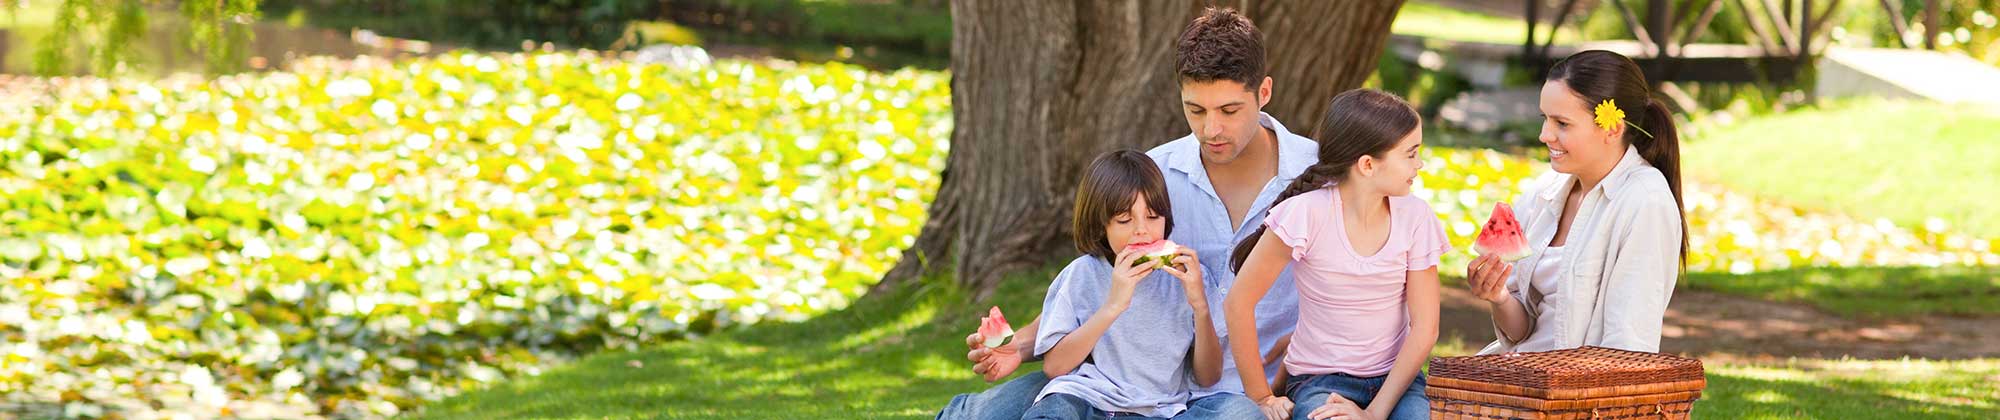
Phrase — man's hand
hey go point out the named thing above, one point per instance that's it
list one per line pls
(993, 363)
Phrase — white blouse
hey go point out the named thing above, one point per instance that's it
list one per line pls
(1617, 269)
(1545, 276)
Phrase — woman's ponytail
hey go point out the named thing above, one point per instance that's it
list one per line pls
(1663, 150)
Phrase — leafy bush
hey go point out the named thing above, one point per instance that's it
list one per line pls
(487, 24)
(353, 238)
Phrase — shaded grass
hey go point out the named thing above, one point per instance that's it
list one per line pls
(901, 355)
(1868, 291)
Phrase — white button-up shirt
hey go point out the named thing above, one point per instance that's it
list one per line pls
(1620, 261)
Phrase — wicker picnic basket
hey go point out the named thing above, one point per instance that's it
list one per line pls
(1580, 383)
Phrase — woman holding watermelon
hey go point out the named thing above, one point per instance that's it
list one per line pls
(1601, 240)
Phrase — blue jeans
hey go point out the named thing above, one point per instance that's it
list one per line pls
(1309, 392)
(1218, 406)
(1222, 407)
(1060, 406)
(1005, 402)
(1011, 399)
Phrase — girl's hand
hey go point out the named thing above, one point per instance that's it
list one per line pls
(1276, 407)
(1338, 408)
(1189, 272)
(1486, 277)
(1125, 278)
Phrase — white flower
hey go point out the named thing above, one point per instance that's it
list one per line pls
(184, 266)
(256, 248)
(202, 163)
(628, 102)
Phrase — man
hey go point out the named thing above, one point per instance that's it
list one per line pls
(1221, 178)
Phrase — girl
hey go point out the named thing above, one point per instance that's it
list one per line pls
(1118, 338)
(1365, 257)
(1605, 226)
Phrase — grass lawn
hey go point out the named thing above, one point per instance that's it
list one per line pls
(1909, 162)
(1868, 291)
(901, 357)
(1430, 20)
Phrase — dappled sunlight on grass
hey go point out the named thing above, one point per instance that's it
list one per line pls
(1869, 291)
(910, 319)
(1853, 389)
(902, 356)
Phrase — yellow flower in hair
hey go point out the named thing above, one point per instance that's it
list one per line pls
(1609, 116)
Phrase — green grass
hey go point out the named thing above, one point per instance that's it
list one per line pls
(1868, 291)
(1435, 21)
(1908, 162)
(1852, 389)
(900, 356)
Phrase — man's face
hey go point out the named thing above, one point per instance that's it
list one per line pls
(1224, 116)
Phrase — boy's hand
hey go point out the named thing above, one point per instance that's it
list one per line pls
(1125, 278)
(1189, 272)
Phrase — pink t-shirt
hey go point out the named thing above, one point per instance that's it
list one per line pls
(1351, 307)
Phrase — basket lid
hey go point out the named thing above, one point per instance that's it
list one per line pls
(1578, 368)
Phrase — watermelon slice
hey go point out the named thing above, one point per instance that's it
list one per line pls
(1502, 236)
(1160, 250)
(994, 328)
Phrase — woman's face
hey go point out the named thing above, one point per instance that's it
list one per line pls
(1395, 172)
(1576, 144)
(1138, 225)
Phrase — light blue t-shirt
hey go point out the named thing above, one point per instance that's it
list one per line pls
(1140, 364)
(1202, 222)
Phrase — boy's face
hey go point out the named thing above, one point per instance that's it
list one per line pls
(1138, 225)
(1223, 116)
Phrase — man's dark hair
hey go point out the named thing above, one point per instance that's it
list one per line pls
(1221, 45)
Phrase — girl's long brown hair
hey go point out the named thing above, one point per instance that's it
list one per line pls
(1361, 122)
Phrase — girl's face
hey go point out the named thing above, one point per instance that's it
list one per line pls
(1395, 172)
(1138, 225)
(1576, 144)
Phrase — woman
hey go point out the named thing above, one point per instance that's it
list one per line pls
(1606, 226)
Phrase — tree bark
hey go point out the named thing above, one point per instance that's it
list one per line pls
(1040, 87)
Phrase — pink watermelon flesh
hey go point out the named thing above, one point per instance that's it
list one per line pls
(994, 328)
(1502, 236)
(1160, 250)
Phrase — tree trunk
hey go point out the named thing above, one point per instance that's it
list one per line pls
(1039, 87)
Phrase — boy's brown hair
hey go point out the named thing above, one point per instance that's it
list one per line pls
(1221, 45)
(1109, 186)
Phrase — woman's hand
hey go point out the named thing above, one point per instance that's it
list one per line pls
(1189, 272)
(1276, 407)
(1486, 277)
